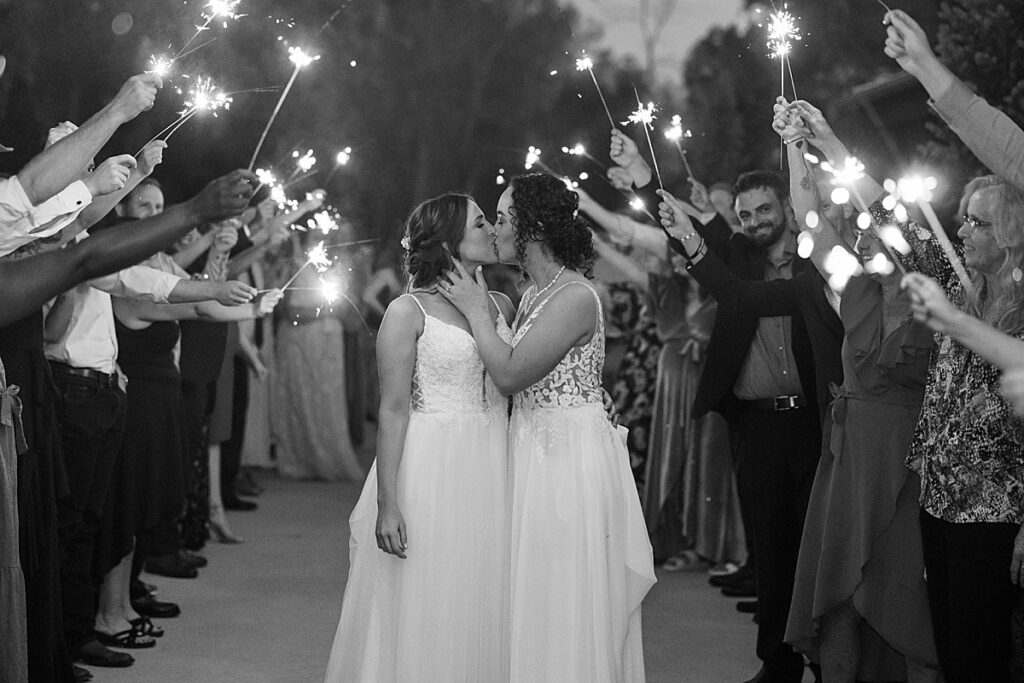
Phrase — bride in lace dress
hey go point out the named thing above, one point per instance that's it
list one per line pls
(581, 558)
(426, 598)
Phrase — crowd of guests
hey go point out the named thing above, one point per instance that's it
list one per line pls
(871, 418)
(138, 368)
(849, 458)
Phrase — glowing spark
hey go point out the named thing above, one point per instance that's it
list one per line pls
(584, 63)
(205, 97)
(913, 189)
(889, 202)
(841, 265)
(532, 157)
(812, 219)
(675, 131)
(811, 158)
(584, 175)
(578, 149)
(643, 115)
(318, 257)
(850, 172)
(782, 31)
(500, 180)
(330, 290)
(278, 195)
(306, 161)
(343, 157)
(266, 177)
(636, 204)
(864, 220)
(224, 9)
(300, 58)
(879, 264)
(161, 66)
(324, 222)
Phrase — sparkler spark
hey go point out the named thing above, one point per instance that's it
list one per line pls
(318, 257)
(266, 177)
(206, 97)
(330, 290)
(161, 66)
(675, 131)
(532, 157)
(324, 222)
(643, 115)
(300, 58)
(782, 31)
(850, 172)
(305, 162)
(343, 157)
(584, 63)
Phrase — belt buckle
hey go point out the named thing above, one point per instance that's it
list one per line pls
(783, 403)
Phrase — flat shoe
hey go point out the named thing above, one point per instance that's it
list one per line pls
(95, 654)
(81, 675)
(132, 639)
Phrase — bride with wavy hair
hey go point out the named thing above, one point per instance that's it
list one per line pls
(426, 593)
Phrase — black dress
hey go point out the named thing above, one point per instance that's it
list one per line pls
(41, 480)
(150, 483)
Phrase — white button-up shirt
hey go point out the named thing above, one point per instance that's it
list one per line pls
(80, 328)
(22, 223)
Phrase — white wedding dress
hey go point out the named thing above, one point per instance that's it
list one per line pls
(441, 614)
(581, 557)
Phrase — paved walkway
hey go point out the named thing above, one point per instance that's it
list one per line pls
(266, 610)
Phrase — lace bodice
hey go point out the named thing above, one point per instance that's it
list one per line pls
(449, 376)
(576, 380)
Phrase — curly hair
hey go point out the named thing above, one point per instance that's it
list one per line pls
(433, 232)
(545, 210)
(1006, 312)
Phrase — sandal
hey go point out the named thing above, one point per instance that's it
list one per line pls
(686, 561)
(146, 627)
(132, 639)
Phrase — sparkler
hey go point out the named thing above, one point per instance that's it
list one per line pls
(579, 150)
(216, 9)
(585, 63)
(300, 58)
(782, 31)
(644, 117)
(675, 133)
(340, 159)
(316, 257)
(915, 189)
(204, 97)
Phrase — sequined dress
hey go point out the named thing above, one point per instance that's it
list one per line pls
(440, 614)
(581, 558)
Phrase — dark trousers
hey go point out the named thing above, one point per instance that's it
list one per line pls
(777, 457)
(971, 597)
(746, 511)
(92, 421)
(231, 450)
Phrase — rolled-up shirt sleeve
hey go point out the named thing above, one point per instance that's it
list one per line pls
(993, 137)
(138, 282)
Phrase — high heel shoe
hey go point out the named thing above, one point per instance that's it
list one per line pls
(219, 528)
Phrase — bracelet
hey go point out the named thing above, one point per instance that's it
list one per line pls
(799, 138)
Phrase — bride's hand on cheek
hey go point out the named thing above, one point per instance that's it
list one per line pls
(466, 293)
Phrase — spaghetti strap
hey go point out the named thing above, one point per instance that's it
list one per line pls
(413, 297)
(497, 306)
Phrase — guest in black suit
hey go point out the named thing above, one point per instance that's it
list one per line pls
(761, 375)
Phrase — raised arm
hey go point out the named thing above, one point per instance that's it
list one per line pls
(993, 137)
(569, 319)
(931, 307)
(624, 265)
(768, 298)
(58, 166)
(622, 229)
(26, 284)
(134, 312)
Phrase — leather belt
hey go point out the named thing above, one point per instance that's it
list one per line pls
(776, 405)
(101, 378)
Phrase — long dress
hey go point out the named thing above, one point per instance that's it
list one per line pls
(861, 538)
(13, 646)
(439, 615)
(582, 562)
(41, 482)
(310, 420)
(689, 496)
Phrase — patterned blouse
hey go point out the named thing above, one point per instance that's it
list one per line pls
(968, 446)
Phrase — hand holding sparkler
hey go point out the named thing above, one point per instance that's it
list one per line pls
(625, 154)
(644, 117)
(224, 197)
(110, 176)
(151, 156)
(929, 303)
(232, 292)
(266, 302)
(136, 96)
(676, 223)
(907, 43)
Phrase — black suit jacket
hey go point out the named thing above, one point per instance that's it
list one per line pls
(733, 273)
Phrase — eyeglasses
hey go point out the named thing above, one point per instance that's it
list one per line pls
(974, 222)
